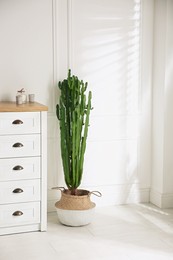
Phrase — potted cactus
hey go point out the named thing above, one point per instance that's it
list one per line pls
(73, 111)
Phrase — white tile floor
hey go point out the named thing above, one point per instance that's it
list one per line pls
(129, 232)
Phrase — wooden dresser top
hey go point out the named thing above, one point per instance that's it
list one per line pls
(27, 107)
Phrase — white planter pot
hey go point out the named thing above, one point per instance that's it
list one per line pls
(75, 217)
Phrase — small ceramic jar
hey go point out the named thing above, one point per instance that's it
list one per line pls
(31, 98)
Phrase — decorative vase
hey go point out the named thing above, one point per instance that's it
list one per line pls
(22, 95)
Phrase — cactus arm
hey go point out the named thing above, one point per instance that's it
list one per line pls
(78, 143)
(57, 112)
(73, 149)
(64, 150)
(83, 146)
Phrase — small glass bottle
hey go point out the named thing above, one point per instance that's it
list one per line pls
(23, 95)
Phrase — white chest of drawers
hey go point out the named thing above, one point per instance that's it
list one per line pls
(23, 167)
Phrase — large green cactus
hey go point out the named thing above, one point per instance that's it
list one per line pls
(73, 112)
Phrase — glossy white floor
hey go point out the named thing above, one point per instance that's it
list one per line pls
(128, 232)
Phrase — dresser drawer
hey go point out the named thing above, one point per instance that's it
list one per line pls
(19, 214)
(19, 191)
(19, 168)
(19, 123)
(19, 145)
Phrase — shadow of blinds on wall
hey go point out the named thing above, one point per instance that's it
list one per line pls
(104, 49)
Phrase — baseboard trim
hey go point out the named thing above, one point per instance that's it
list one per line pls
(161, 200)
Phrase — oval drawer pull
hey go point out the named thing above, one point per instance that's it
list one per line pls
(17, 122)
(18, 190)
(17, 213)
(17, 168)
(17, 145)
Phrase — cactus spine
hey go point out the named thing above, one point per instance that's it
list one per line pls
(73, 112)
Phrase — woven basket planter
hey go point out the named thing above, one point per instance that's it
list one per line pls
(76, 210)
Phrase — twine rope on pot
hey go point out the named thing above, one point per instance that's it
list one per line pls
(58, 188)
(96, 193)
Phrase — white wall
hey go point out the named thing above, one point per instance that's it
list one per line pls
(102, 42)
(26, 49)
(162, 168)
